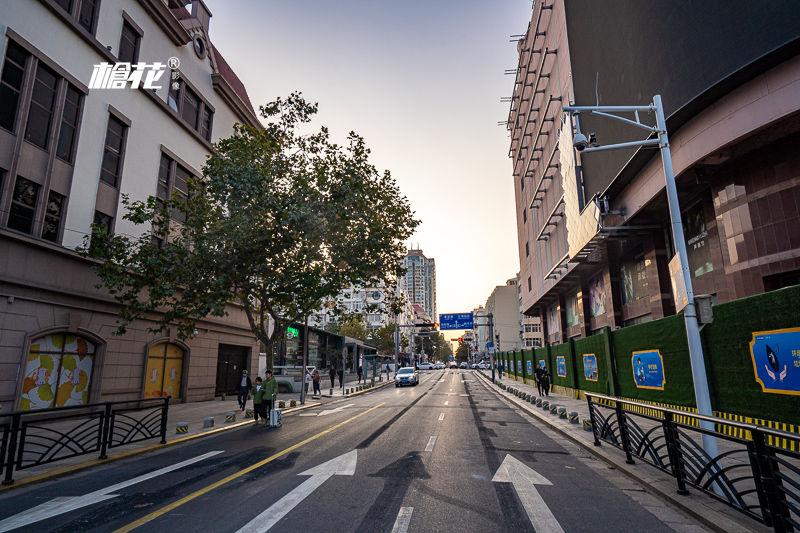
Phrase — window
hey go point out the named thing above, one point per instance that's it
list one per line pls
(52, 216)
(192, 109)
(86, 14)
(128, 44)
(23, 205)
(11, 84)
(173, 184)
(112, 155)
(205, 124)
(524, 216)
(69, 124)
(530, 285)
(43, 101)
(522, 183)
(58, 372)
(180, 191)
(66, 5)
(527, 249)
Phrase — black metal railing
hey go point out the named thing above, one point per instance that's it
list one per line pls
(749, 474)
(33, 438)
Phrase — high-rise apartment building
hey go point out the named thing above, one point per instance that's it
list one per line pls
(419, 283)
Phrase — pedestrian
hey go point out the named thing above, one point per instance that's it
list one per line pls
(333, 374)
(315, 379)
(308, 380)
(537, 375)
(360, 372)
(244, 389)
(341, 377)
(546, 381)
(260, 402)
(270, 393)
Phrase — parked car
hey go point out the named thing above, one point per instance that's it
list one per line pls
(406, 376)
(485, 366)
(427, 366)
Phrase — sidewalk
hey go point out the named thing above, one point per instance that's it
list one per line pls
(707, 510)
(192, 413)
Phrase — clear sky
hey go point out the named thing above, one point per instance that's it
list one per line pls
(421, 81)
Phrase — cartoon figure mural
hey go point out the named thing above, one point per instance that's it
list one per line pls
(164, 365)
(57, 373)
(776, 360)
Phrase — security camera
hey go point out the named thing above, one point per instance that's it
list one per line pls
(580, 142)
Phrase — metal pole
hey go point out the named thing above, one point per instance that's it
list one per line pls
(305, 362)
(699, 377)
(491, 336)
(396, 349)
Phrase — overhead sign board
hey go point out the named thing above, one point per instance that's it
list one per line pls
(456, 321)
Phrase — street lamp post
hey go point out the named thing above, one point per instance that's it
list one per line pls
(699, 377)
(490, 316)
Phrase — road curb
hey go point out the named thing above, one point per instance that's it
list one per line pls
(376, 387)
(131, 453)
(688, 504)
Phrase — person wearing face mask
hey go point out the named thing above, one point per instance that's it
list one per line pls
(244, 389)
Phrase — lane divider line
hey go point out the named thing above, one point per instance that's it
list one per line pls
(446, 402)
(441, 417)
(209, 488)
(431, 444)
(403, 520)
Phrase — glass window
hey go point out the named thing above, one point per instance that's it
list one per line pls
(69, 124)
(11, 84)
(164, 171)
(633, 278)
(180, 190)
(58, 372)
(205, 123)
(191, 107)
(23, 205)
(104, 221)
(128, 44)
(52, 216)
(86, 15)
(573, 310)
(42, 103)
(698, 252)
(112, 155)
(66, 5)
(174, 95)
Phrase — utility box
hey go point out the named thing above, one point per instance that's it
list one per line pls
(705, 311)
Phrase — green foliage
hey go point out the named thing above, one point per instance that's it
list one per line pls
(463, 351)
(280, 224)
(383, 339)
(354, 327)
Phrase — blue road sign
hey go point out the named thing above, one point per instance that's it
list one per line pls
(456, 321)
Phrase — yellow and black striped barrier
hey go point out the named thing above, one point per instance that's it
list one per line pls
(248, 413)
(573, 417)
(182, 427)
(230, 416)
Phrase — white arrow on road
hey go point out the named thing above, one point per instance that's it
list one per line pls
(344, 465)
(66, 504)
(332, 411)
(525, 479)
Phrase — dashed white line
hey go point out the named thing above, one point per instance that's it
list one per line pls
(446, 402)
(431, 444)
(403, 520)
(441, 417)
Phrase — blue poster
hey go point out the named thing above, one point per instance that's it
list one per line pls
(648, 370)
(541, 363)
(530, 368)
(776, 360)
(519, 367)
(590, 367)
(561, 367)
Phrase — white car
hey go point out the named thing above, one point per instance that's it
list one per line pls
(406, 376)
(485, 366)
(427, 366)
(439, 366)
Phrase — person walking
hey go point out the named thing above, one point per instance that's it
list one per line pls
(244, 389)
(270, 393)
(315, 379)
(260, 402)
(341, 377)
(333, 374)
(308, 380)
(360, 372)
(546, 381)
(537, 375)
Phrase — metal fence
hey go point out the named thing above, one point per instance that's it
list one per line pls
(33, 438)
(749, 474)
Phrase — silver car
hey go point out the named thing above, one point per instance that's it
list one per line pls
(406, 376)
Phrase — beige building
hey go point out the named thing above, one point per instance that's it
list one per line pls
(503, 304)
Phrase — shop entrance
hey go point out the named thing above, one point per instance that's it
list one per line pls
(230, 362)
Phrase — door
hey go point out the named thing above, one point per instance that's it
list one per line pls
(231, 360)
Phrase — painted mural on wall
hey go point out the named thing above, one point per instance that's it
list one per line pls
(552, 319)
(776, 360)
(597, 296)
(648, 369)
(561, 366)
(57, 373)
(164, 371)
(590, 367)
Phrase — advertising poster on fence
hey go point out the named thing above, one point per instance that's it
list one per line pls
(519, 367)
(590, 367)
(561, 366)
(530, 368)
(648, 369)
(776, 360)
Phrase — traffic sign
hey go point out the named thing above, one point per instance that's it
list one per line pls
(456, 321)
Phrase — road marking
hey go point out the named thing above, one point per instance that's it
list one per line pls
(446, 402)
(525, 479)
(209, 488)
(404, 394)
(332, 411)
(441, 417)
(403, 520)
(431, 444)
(66, 504)
(344, 465)
(464, 395)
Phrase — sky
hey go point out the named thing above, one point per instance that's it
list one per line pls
(421, 81)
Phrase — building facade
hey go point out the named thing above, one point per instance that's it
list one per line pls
(503, 304)
(530, 326)
(595, 245)
(68, 154)
(419, 283)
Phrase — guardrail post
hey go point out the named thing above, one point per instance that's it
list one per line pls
(12, 450)
(595, 426)
(623, 433)
(671, 436)
(767, 484)
(105, 431)
(164, 412)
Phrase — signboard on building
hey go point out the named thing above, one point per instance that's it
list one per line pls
(648, 370)
(776, 360)
(678, 283)
(456, 321)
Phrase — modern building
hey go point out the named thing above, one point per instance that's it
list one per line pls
(68, 154)
(419, 283)
(531, 326)
(595, 244)
(503, 304)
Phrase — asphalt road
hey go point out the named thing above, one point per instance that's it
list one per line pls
(417, 458)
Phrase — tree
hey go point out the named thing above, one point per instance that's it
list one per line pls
(354, 327)
(279, 224)
(462, 352)
(383, 339)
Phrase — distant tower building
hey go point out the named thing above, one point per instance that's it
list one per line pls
(419, 283)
